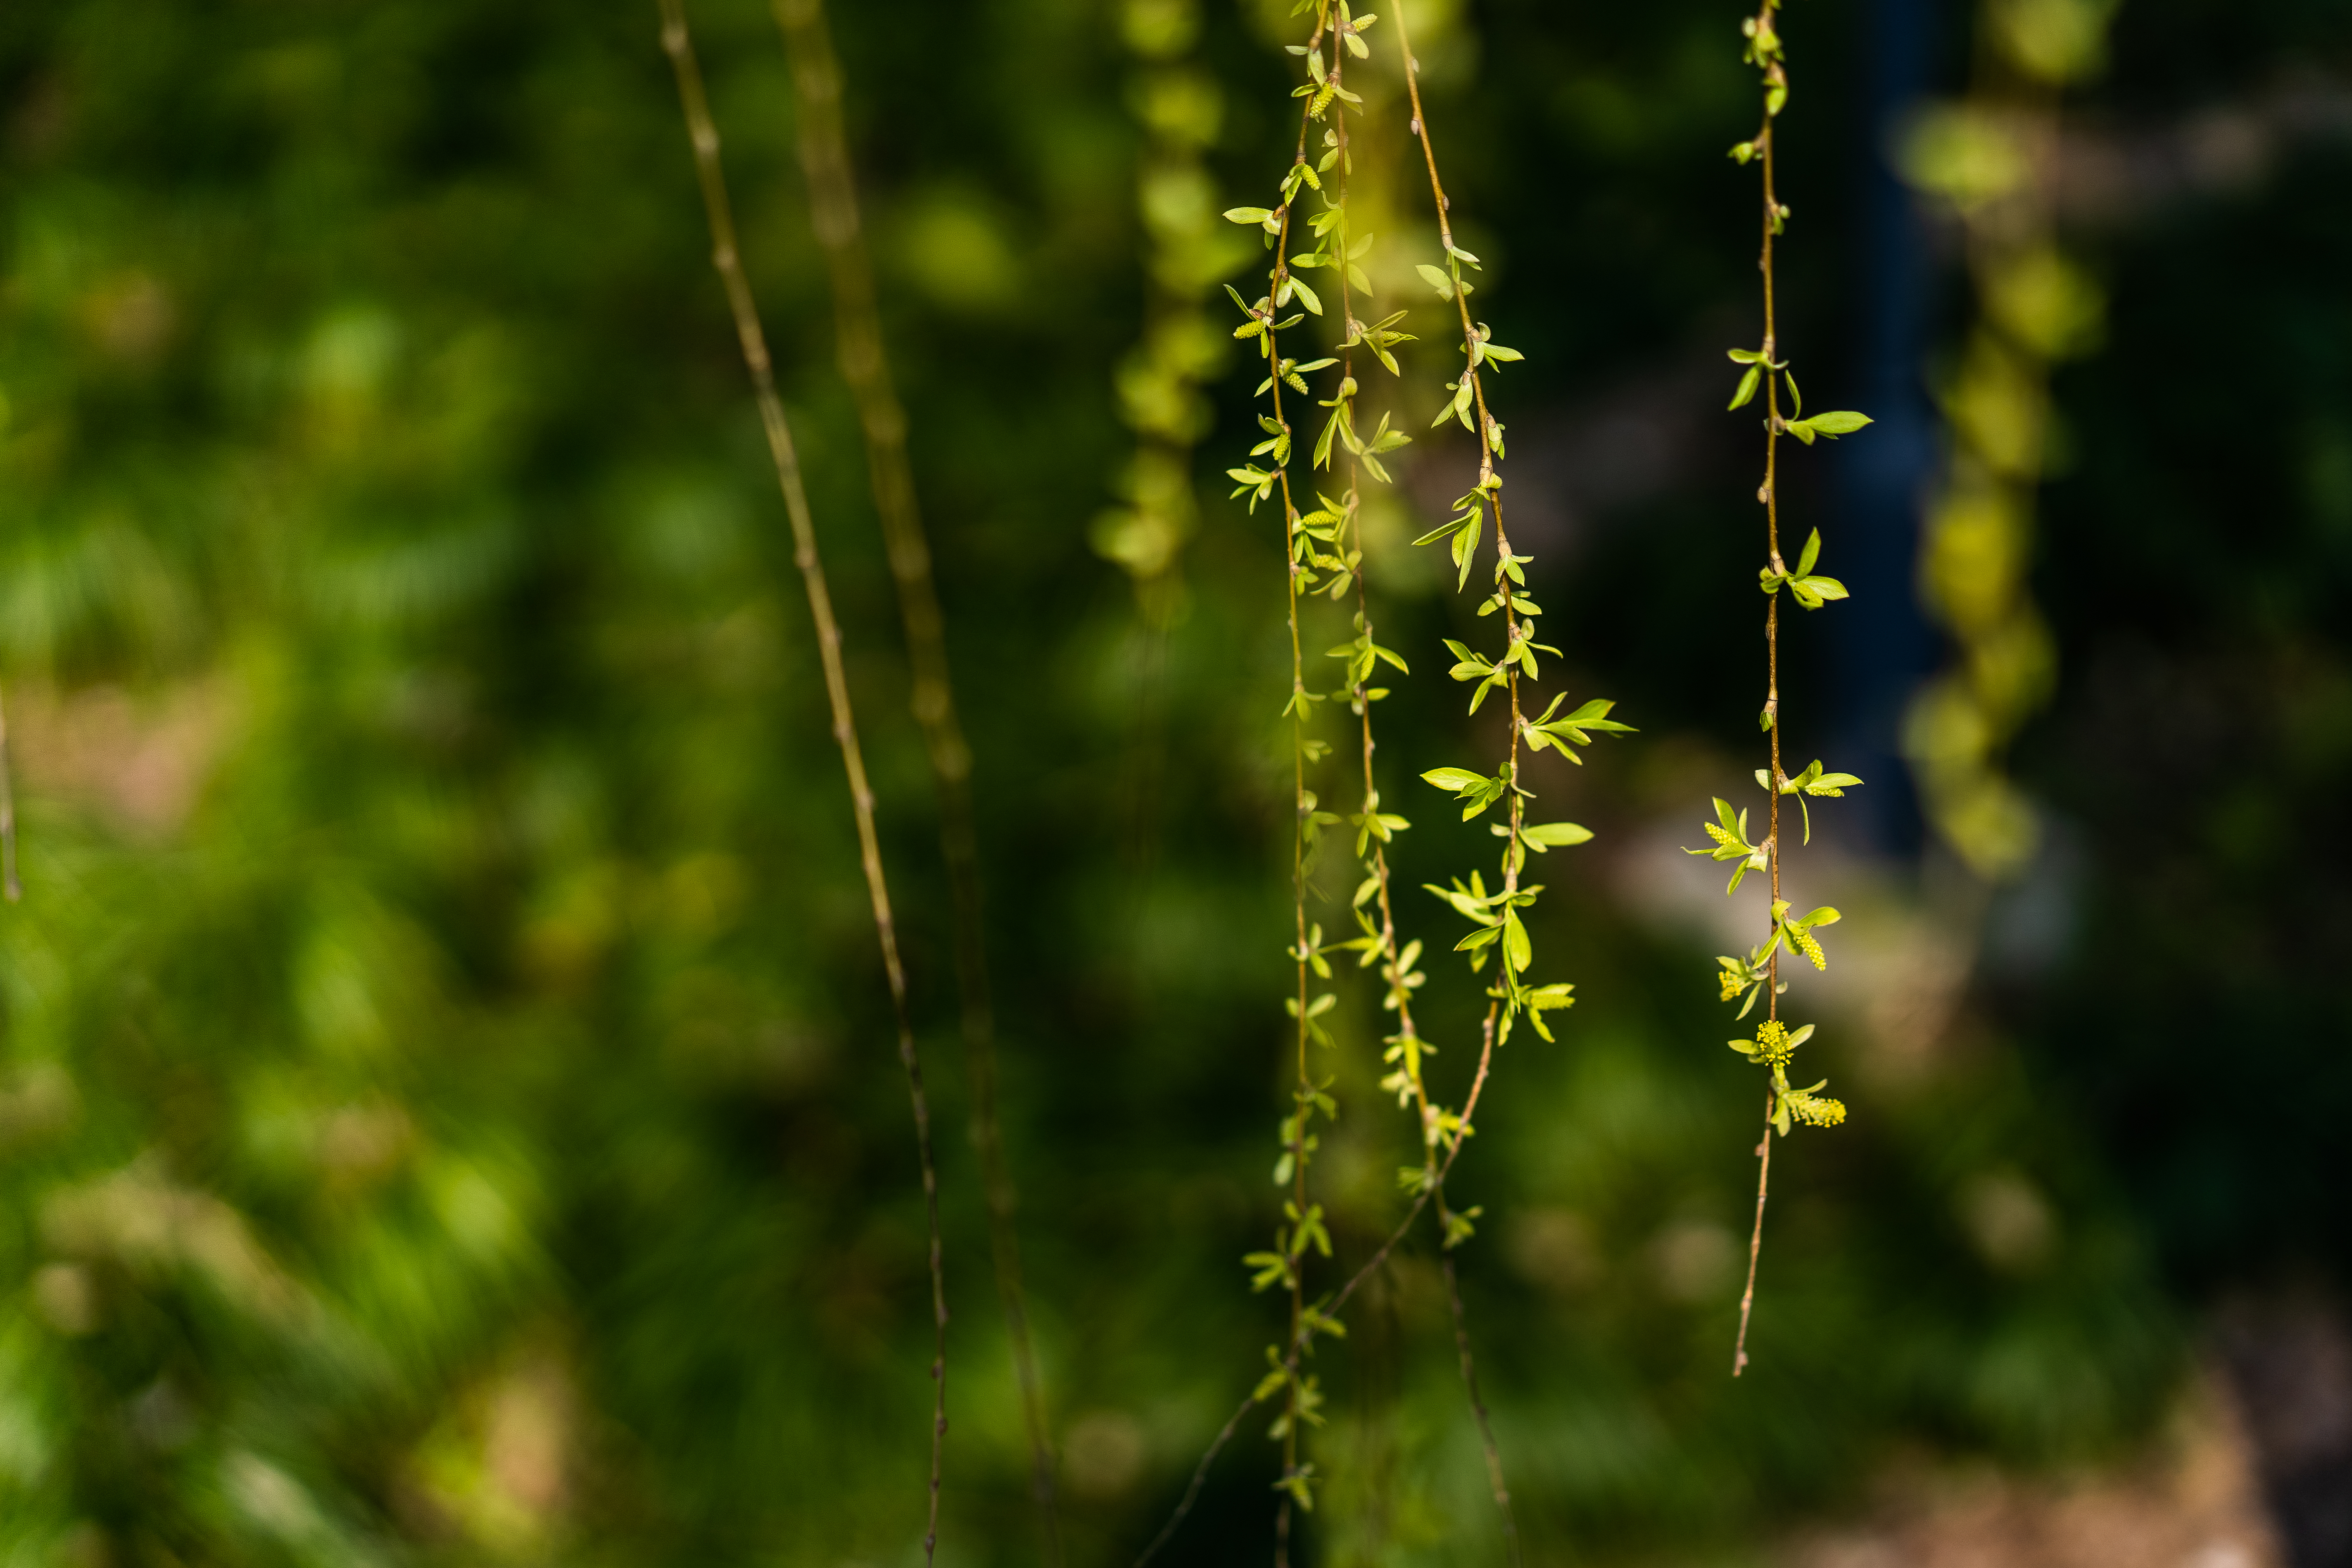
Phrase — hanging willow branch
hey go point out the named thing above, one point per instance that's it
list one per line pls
(1498, 919)
(1993, 159)
(1177, 106)
(1310, 544)
(1757, 974)
(1327, 553)
(726, 259)
(824, 150)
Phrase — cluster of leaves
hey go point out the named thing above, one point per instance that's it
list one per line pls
(1814, 783)
(1498, 922)
(1325, 553)
(1478, 792)
(1774, 1045)
(1498, 925)
(1837, 422)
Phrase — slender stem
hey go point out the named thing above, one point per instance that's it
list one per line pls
(824, 151)
(1445, 1167)
(1376, 1420)
(1478, 1408)
(1301, 1105)
(1408, 1036)
(1340, 1297)
(1756, 1237)
(725, 260)
(1514, 856)
(8, 883)
(1775, 75)
(1343, 411)
(1489, 483)
(1200, 1477)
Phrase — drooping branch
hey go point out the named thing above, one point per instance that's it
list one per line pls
(726, 259)
(824, 151)
(1744, 979)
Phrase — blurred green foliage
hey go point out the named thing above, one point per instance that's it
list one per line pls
(446, 1103)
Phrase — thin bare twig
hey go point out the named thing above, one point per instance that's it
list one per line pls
(824, 150)
(1478, 1408)
(1340, 1297)
(1490, 485)
(8, 882)
(1755, 1237)
(726, 259)
(1200, 1476)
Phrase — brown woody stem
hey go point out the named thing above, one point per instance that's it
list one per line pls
(824, 151)
(726, 259)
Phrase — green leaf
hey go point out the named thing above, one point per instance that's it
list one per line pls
(1465, 548)
(1323, 443)
(1516, 951)
(1555, 836)
(1441, 530)
(1437, 279)
(1249, 215)
(1746, 388)
(1840, 422)
(1454, 778)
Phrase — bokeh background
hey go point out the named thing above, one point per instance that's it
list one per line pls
(448, 1111)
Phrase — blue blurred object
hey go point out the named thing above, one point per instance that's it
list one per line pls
(1881, 645)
